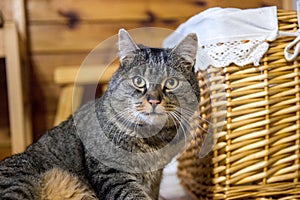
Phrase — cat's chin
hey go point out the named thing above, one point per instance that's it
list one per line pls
(154, 118)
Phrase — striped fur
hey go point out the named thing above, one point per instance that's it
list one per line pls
(111, 147)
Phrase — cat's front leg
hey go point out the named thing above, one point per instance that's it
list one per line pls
(18, 179)
(119, 185)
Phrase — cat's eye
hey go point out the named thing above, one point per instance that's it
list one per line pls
(139, 82)
(171, 83)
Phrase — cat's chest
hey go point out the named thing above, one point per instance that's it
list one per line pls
(151, 182)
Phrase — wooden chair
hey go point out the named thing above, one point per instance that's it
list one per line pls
(19, 113)
(73, 86)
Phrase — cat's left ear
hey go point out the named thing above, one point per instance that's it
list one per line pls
(127, 46)
(187, 48)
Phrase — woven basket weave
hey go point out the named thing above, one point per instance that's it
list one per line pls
(257, 150)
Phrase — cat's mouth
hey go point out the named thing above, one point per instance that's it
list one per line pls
(152, 117)
(153, 113)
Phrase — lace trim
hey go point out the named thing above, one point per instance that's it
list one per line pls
(239, 52)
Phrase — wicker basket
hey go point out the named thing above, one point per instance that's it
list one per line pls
(257, 151)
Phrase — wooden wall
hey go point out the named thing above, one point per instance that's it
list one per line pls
(64, 32)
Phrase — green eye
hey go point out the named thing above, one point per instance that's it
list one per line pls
(171, 83)
(139, 82)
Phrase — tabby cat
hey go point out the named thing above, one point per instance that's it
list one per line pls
(115, 146)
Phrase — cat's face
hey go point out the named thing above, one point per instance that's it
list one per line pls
(154, 86)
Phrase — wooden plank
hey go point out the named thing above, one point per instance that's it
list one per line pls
(278, 3)
(99, 10)
(15, 91)
(170, 9)
(14, 11)
(19, 18)
(84, 76)
(6, 9)
(43, 65)
(56, 10)
(244, 5)
(287, 4)
(108, 10)
(58, 38)
(2, 51)
(70, 100)
(64, 108)
(54, 38)
(71, 95)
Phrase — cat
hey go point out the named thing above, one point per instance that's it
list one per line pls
(115, 146)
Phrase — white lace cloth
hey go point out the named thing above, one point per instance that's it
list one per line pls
(229, 35)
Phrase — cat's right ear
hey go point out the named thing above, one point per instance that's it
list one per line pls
(127, 46)
(187, 48)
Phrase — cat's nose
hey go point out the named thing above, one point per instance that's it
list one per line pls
(154, 96)
(154, 102)
(154, 99)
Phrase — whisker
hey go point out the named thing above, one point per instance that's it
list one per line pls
(174, 118)
(125, 124)
(125, 111)
(125, 120)
(197, 126)
(194, 135)
(187, 111)
(174, 121)
(187, 125)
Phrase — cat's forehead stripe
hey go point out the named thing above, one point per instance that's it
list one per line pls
(156, 58)
(156, 62)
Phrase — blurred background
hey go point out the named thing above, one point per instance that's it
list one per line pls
(55, 33)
